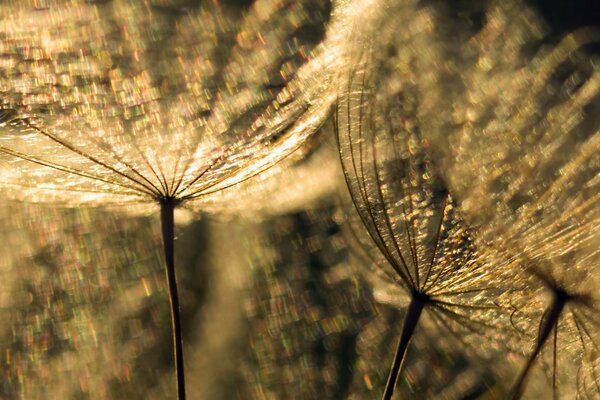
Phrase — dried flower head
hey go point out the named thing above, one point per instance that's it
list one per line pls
(410, 216)
(509, 111)
(128, 102)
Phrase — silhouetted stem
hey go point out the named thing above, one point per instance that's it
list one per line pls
(417, 303)
(552, 317)
(167, 208)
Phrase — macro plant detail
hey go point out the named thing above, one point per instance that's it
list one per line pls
(411, 218)
(526, 176)
(566, 337)
(155, 121)
(468, 137)
(509, 117)
(130, 103)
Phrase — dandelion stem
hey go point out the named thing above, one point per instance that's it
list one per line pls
(417, 303)
(550, 322)
(167, 207)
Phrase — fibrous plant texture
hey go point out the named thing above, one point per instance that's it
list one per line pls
(559, 315)
(469, 137)
(125, 102)
(509, 109)
(521, 150)
(424, 245)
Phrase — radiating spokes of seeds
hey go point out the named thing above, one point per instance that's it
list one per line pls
(518, 143)
(407, 211)
(127, 101)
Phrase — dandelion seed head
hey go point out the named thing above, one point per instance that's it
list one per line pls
(408, 223)
(515, 135)
(127, 102)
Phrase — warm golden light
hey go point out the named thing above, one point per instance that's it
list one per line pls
(130, 102)
(343, 185)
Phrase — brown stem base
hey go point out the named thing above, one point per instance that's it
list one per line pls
(167, 208)
(548, 323)
(417, 303)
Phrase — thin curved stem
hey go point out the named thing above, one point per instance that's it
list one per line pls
(417, 303)
(167, 208)
(553, 314)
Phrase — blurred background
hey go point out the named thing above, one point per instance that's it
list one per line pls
(274, 307)
(275, 303)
